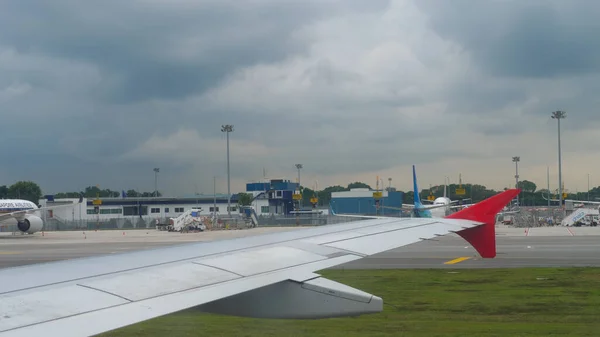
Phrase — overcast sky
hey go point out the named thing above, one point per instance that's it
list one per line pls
(101, 92)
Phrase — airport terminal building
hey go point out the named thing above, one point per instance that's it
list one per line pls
(269, 197)
(134, 209)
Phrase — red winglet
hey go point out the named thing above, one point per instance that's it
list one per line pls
(483, 238)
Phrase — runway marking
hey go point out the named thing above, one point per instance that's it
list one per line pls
(570, 232)
(457, 260)
(9, 253)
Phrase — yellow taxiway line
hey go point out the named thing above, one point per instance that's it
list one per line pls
(457, 260)
(8, 253)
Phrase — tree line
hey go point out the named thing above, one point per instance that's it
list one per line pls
(530, 195)
(94, 191)
(29, 190)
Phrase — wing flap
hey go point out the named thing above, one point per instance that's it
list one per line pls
(153, 282)
(254, 262)
(25, 309)
(312, 299)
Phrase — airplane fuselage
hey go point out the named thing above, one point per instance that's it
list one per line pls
(15, 205)
(441, 212)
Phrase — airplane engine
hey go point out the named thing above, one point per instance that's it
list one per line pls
(30, 224)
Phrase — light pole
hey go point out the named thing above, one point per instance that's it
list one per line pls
(588, 187)
(558, 115)
(227, 129)
(516, 160)
(299, 166)
(548, 182)
(156, 170)
(215, 198)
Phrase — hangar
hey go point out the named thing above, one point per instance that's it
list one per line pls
(361, 201)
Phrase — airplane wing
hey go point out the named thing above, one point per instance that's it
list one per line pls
(408, 207)
(581, 201)
(455, 201)
(461, 206)
(20, 214)
(268, 276)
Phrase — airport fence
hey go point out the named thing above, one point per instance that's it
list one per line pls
(538, 217)
(236, 222)
(303, 220)
(527, 217)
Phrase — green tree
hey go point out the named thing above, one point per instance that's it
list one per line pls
(358, 184)
(325, 195)
(527, 186)
(244, 199)
(408, 197)
(62, 195)
(3, 192)
(132, 193)
(26, 190)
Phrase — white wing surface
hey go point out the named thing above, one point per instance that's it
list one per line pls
(270, 276)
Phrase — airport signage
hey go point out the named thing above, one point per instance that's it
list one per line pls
(460, 191)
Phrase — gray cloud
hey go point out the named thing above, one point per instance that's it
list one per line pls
(154, 50)
(523, 39)
(103, 92)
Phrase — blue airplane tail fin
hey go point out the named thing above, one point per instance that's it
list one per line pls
(417, 200)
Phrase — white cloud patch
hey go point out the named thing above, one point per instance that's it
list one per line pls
(187, 146)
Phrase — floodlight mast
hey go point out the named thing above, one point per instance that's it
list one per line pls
(558, 115)
(227, 128)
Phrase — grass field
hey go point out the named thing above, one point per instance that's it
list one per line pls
(428, 303)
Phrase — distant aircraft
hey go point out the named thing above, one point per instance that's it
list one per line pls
(440, 207)
(582, 203)
(23, 212)
(264, 276)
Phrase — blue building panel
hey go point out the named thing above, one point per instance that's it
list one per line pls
(366, 205)
(273, 185)
(279, 193)
(283, 185)
(257, 187)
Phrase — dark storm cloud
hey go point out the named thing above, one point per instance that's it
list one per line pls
(100, 78)
(138, 46)
(523, 39)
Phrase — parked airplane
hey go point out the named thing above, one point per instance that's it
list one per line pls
(266, 276)
(23, 212)
(441, 206)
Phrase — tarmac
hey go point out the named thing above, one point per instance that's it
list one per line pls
(516, 247)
